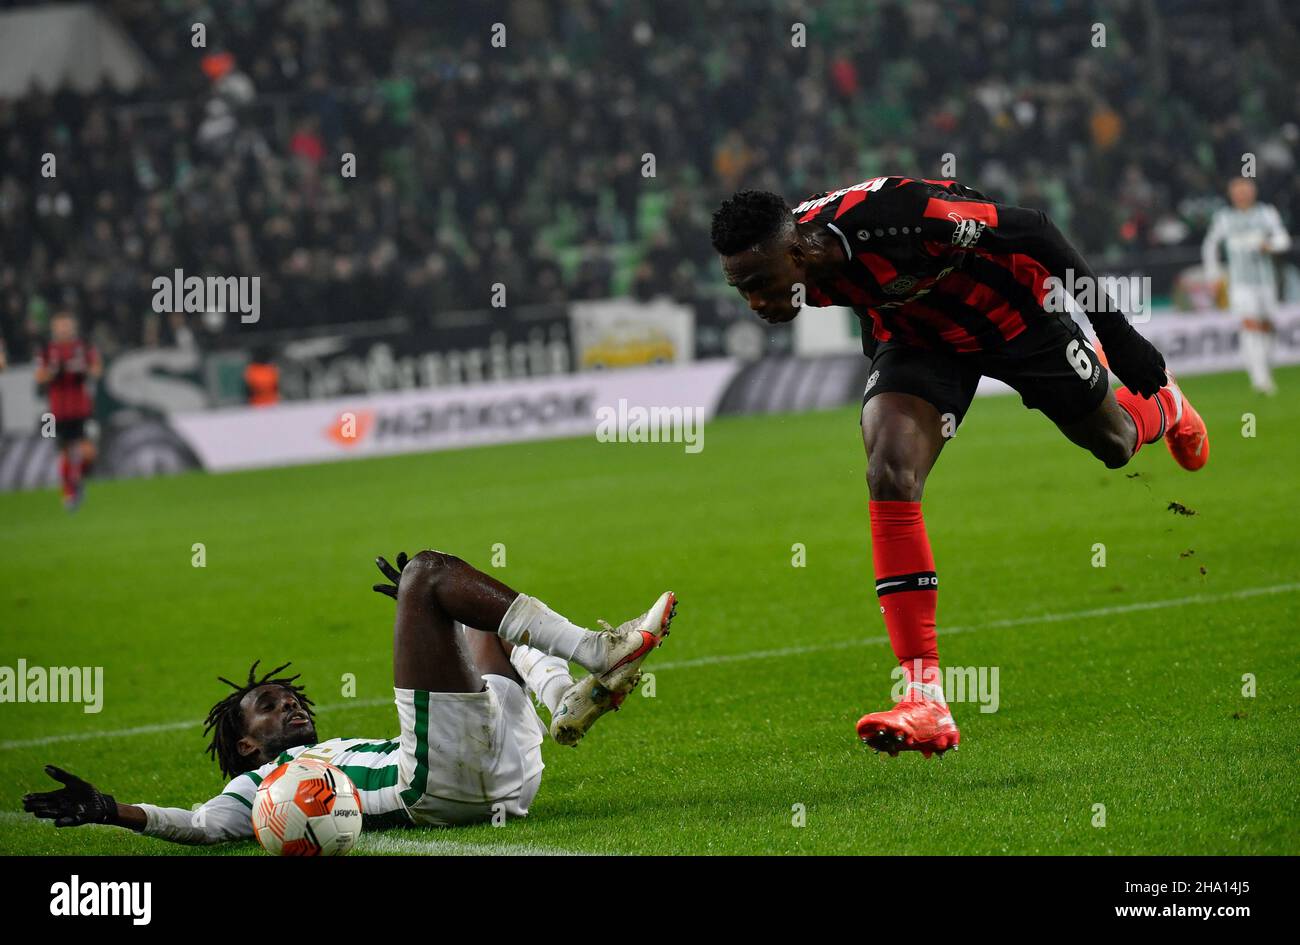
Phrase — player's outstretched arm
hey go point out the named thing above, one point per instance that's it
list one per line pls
(79, 802)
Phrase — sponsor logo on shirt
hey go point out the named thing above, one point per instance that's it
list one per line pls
(871, 186)
(902, 285)
(967, 232)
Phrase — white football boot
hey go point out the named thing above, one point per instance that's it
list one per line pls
(592, 696)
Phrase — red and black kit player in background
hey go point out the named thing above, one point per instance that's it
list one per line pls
(65, 368)
(951, 286)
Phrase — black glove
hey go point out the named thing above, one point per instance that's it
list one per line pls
(77, 802)
(393, 574)
(1133, 359)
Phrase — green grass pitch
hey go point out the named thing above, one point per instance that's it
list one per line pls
(1120, 686)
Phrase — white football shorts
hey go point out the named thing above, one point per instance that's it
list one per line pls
(466, 756)
(1253, 301)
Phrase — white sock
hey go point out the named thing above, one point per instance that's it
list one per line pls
(1250, 353)
(1270, 337)
(1254, 350)
(532, 623)
(547, 676)
(931, 691)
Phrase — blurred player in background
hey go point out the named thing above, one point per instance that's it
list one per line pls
(1253, 233)
(67, 367)
(951, 286)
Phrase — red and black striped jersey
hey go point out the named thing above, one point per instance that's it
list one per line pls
(69, 364)
(937, 264)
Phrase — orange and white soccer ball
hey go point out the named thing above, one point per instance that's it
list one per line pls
(307, 808)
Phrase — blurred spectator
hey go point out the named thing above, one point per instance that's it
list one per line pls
(526, 164)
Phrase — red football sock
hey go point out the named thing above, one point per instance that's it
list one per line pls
(907, 586)
(1151, 415)
(65, 475)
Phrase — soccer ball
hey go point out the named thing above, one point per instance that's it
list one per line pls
(307, 808)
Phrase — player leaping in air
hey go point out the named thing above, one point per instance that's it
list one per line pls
(466, 650)
(950, 286)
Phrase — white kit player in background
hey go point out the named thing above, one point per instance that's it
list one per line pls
(1253, 233)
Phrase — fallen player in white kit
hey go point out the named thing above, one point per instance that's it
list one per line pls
(467, 651)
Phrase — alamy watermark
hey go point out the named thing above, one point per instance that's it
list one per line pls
(181, 293)
(1127, 295)
(79, 897)
(978, 684)
(627, 423)
(23, 683)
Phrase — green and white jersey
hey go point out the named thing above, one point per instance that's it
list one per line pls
(1251, 237)
(372, 765)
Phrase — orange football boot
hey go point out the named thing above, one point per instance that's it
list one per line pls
(922, 725)
(1188, 439)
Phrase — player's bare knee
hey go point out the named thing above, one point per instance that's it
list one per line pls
(425, 571)
(894, 481)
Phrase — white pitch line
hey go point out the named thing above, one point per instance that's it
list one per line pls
(389, 843)
(991, 625)
(720, 658)
(772, 654)
(82, 736)
(163, 727)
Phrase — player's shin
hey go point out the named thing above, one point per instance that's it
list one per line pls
(86, 462)
(907, 587)
(1255, 344)
(65, 475)
(546, 676)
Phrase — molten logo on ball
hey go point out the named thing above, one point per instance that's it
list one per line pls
(307, 808)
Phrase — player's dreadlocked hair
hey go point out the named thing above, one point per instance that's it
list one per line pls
(748, 218)
(226, 721)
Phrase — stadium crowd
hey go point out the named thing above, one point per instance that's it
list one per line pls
(526, 164)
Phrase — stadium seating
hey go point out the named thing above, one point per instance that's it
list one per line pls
(524, 167)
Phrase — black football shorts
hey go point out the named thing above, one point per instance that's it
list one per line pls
(69, 431)
(1050, 364)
